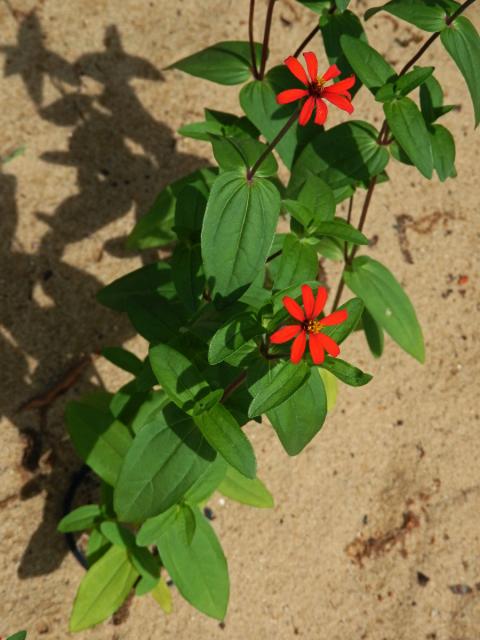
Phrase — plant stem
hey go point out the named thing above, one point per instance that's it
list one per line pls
(302, 46)
(251, 172)
(383, 138)
(233, 386)
(266, 38)
(251, 39)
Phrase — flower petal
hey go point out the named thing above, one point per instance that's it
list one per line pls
(339, 101)
(306, 111)
(290, 95)
(337, 317)
(296, 68)
(322, 112)
(328, 344)
(312, 64)
(320, 301)
(308, 301)
(298, 347)
(331, 72)
(316, 348)
(285, 333)
(293, 308)
(342, 86)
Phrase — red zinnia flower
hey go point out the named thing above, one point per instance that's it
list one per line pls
(316, 90)
(318, 342)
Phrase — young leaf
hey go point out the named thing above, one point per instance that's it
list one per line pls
(99, 440)
(298, 263)
(117, 535)
(462, 42)
(103, 589)
(443, 149)
(245, 490)
(341, 229)
(425, 15)
(179, 378)
(373, 334)
(331, 387)
(413, 79)
(20, 635)
(163, 596)
(232, 336)
(277, 386)
(224, 434)
(300, 418)
(97, 547)
(387, 302)
(153, 528)
(369, 66)
(225, 62)
(238, 230)
(408, 126)
(168, 455)
(123, 359)
(346, 372)
(199, 569)
(81, 518)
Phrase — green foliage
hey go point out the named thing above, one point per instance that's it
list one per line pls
(225, 62)
(172, 435)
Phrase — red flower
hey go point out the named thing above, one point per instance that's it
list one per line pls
(317, 341)
(316, 90)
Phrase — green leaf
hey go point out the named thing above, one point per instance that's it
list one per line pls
(99, 440)
(189, 211)
(188, 275)
(300, 418)
(462, 42)
(207, 482)
(413, 79)
(373, 334)
(154, 229)
(408, 126)
(155, 318)
(298, 263)
(179, 378)
(20, 635)
(242, 153)
(117, 535)
(317, 6)
(341, 229)
(123, 359)
(331, 387)
(97, 547)
(277, 386)
(199, 569)
(154, 279)
(168, 455)
(387, 303)
(238, 230)
(224, 434)
(368, 65)
(225, 62)
(344, 155)
(245, 490)
(346, 372)
(163, 596)
(153, 403)
(153, 528)
(425, 15)
(232, 336)
(147, 566)
(443, 149)
(431, 100)
(219, 123)
(340, 332)
(319, 198)
(333, 26)
(103, 589)
(81, 518)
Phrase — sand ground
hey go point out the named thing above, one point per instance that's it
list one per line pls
(375, 533)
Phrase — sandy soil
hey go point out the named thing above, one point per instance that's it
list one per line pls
(375, 533)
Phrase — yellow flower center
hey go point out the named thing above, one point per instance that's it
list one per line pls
(314, 326)
(320, 81)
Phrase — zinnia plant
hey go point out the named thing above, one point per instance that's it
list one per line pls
(218, 311)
